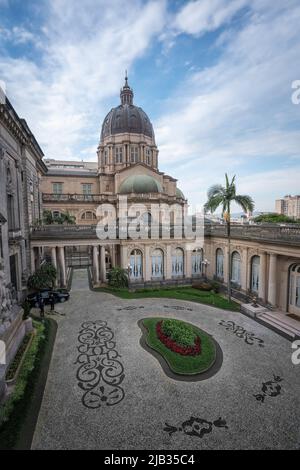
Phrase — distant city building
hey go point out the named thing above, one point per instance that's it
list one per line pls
(289, 206)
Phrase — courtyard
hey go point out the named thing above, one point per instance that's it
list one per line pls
(250, 402)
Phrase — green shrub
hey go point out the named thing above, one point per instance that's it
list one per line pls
(27, 309)
(207, 286)
(43, 278)
(118, 277)
(179, 332)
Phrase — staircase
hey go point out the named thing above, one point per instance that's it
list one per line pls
(286, 326)
(276, 320)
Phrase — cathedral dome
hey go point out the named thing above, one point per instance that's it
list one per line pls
(140, 184)
(127, 118)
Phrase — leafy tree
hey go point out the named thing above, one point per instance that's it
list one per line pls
(43, 278)
(27, 309)
(224, 196)
(68, 218)
(118, 277)
(274, 218)
(47, 217)
(60, 219)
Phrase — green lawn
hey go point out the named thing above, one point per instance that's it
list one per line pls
(187, 365)
(180, 293)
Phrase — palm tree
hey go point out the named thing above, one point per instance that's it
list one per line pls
(223, 196)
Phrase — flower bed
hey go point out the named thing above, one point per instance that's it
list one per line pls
(184, 335)
(192, 350)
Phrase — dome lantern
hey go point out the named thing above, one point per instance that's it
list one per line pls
(126, 94)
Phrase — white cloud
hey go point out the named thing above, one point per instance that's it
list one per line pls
(201, 16)
(237, 116)
(17, 35)
(86, 47)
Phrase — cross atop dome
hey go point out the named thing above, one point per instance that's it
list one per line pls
(126, 92)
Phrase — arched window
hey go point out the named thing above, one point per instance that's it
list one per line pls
(219, 263)
(236, 267)
(157, 264)
(197, 258)
(255, 262)
(177, 263)
(136, 265)
(88, 215)
(294, 289)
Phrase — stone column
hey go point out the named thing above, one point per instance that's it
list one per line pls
(53, 256)
(38, 257)
(103, 265)
(272, 279)
(262, 276)
(111, 157)
(62, 266)
(113, 256)
(32, 254)
(225, 264)
(188, 264)
(123, 257)
(244, 269)
(147, 264)
(54, 259)
(95, 265)
(168, 263)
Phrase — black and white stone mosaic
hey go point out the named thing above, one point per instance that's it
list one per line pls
(100, 373)
(177, 307)
(196, 427)
(240, 332)
(272, 388)
(130, 307)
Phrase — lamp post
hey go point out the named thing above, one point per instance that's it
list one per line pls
(128, 274)
(205, 263)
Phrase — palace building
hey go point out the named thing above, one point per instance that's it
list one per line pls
(127, 167)
(264, 259)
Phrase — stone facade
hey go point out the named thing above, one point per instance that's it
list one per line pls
(21, 168)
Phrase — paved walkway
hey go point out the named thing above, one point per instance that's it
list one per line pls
(104, 391)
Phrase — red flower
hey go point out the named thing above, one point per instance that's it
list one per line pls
(177, 348)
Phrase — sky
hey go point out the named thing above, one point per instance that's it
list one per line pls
(214, 76)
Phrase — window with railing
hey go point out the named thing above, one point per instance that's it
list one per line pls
(87, 189)
(57, 188)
